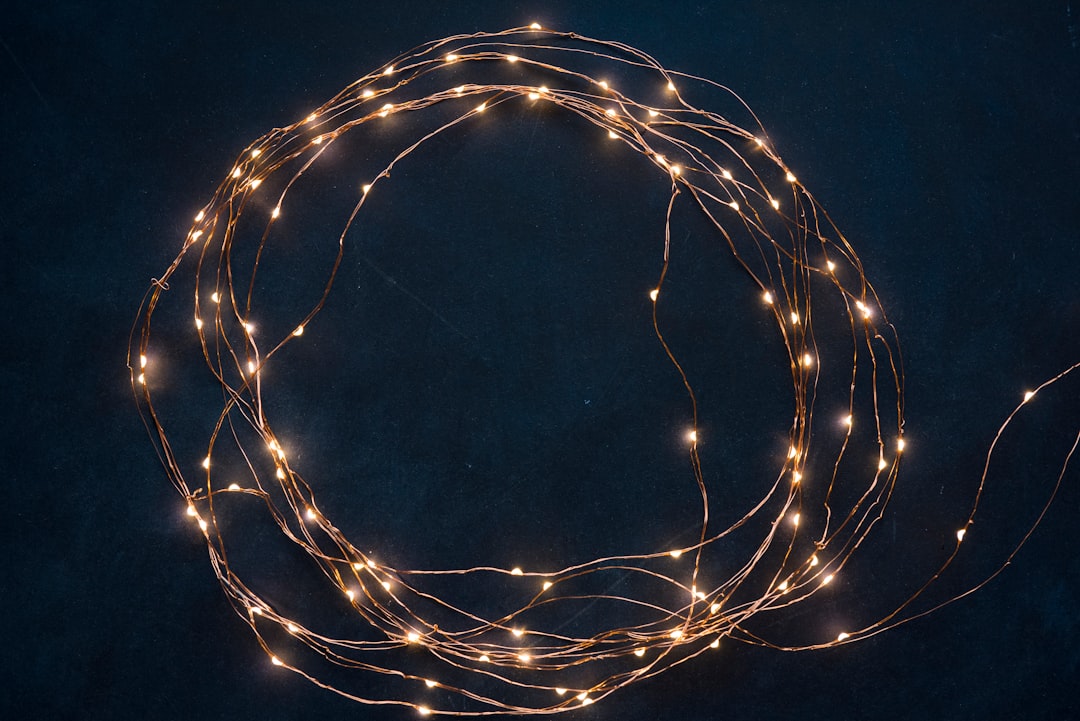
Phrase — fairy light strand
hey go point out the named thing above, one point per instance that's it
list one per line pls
(820, 508)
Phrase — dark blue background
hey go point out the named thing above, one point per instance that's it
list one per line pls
(944, 138)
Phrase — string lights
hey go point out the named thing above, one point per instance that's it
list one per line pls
(559, 638)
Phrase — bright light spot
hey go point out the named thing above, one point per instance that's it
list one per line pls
(388, 71)
(882, 464)
(524, 657)
(534, 26)
(767, 297)
(734, 205)
(276, 661)
(676, 553)
(430, 684)
(512, 58)
(671, 86)
(790, 177)
(547, 585)
(795, 519)
(1028, 396)
(199, 216)
(516, 572)
(299, 331)
(518, 632)
(830, 265)
(775, 204)
(653, 294)
(827, 580)
(206, 462)
(639, 652)
(715, 643)
(215, 296)
(365, 188)
(960, 534)
(692, 436)
(843, 637)
(807, 360)
(276, 212)
(451, 57)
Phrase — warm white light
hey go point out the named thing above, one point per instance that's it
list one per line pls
(431, 684)
(734, 205)
(512, 58)
(299, 331)
(692, 436)
(206, 462)
(830, 265)
(1028, 396)
(767, 297)
(199, 216)
(676, 553)
(960, 534)
(535, 26)
(389, 71)
(516, 571)
(276, 212)
(276, 661)
(882, 464)
(790, 177)
(518, 632)
(653, 294)
(807, 360)
(547, 585)
(365, 188)
(843, 637)
(827, 580)
(639, 652)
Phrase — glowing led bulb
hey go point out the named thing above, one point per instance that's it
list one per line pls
(367, 93)
(796, 477)
(734, 205)
(843, 636)
(795, 519)
(516, 571)
(1028, 396)
(276, 212)
(775, 204)
(613, 135)
(692, 436)
(715, 643)
(960, 534)
(365, 188)
(276, 661)
(794, 318)
(900, 444)
(767, 297)
(215, 297)
(451, 57)
(512, 58)
(206, 462)
(848, 420)
(639, 652)
(524, 657)
(830, 265)
(654, 294)
(671, 86)
(430, 683)
(518, 632)
(199, 216)
(423, 710)
(547, 585)
(882, 464)
(676, 553)
(827, 580)
(389, 71)
(481, 107)
(234, 486)
(535, 26)
(790, 177)
(299, 331)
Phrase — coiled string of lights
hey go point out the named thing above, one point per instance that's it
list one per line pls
(440, 656)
